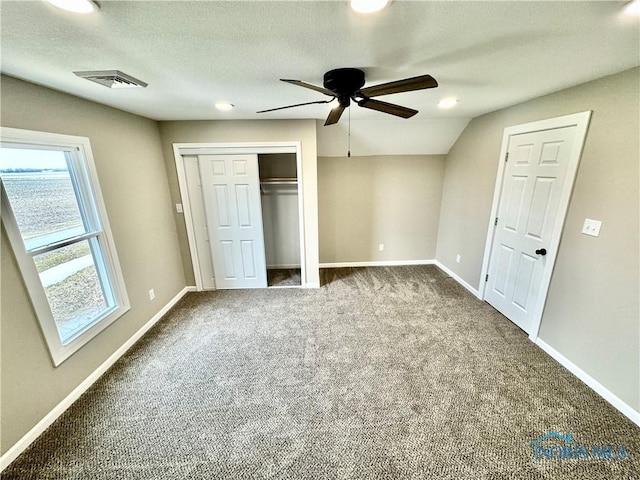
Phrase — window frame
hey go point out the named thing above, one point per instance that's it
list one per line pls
(85, 178)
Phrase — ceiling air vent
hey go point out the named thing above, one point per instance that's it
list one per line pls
(112, 79)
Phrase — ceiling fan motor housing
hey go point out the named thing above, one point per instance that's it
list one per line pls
(345, 82)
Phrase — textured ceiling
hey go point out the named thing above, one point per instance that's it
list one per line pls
(487, 54)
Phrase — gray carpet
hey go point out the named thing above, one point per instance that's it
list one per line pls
(383, 373)
(284, 277)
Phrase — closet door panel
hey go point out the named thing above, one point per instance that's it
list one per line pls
(231, 194)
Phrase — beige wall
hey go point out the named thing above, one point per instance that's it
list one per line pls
(132, 176)
(203, 131)
(366, 201)
(592, 313)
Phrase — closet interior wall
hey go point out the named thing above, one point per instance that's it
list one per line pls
(279, 195)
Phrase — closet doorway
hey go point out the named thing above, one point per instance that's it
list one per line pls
(217, 215)
(280, 218)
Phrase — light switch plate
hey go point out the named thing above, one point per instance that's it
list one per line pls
(591, 227)
(178, 207)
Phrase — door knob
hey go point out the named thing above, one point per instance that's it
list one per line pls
(542, 251)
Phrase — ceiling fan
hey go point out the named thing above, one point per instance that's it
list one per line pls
(345, 85)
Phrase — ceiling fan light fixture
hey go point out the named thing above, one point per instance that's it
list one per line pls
(449, 102)
(368, 6)
(75, 6)
(335, 103)
(224, 106)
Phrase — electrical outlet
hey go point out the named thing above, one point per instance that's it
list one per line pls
(152, 294)
(381, 247)
(591, 227)
(458, 258)
(179, 208)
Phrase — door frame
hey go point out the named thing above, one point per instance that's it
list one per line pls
(239, 148)
(579, 120)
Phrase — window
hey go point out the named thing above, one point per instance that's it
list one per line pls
(54, 216)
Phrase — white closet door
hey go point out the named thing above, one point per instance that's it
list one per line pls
(231, 190)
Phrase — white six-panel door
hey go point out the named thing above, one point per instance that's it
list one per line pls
(231, 191)
(534, 179)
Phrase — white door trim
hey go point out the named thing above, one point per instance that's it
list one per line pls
(579, 120)
(180, 149)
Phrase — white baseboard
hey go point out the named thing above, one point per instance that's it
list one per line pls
(383, 263)
(284, 265)
(22, 444)
(457, 278)
(591, 382)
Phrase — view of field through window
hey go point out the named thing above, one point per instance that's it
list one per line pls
(43, 200)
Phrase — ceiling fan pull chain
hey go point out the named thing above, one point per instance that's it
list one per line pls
(349, 137)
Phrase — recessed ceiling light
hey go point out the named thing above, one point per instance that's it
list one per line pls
(448, 102)
(76, 6)
(368, 6)
(224, 106)
(632, 8)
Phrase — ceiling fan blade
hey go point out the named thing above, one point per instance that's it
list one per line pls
(334, 115)
(407, 85)
(309, 85)
(389, 108)
(296, 105)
